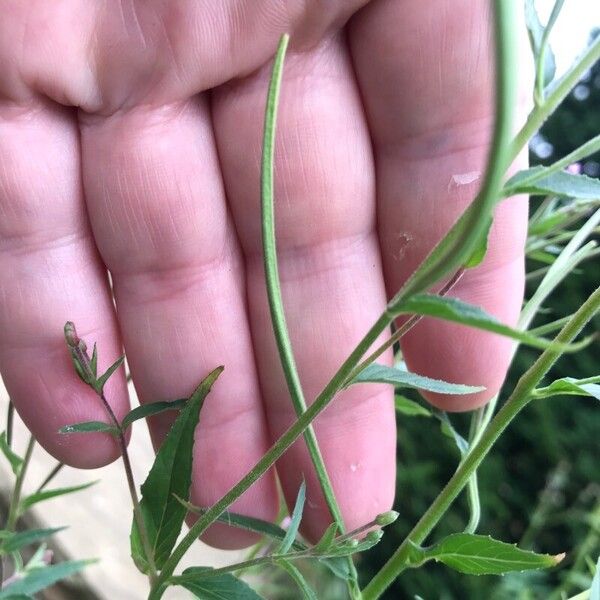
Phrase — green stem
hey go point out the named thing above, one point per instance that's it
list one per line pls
(10, 420)
(50, 476)
(541, 60)
(274, 295)
(556, 94)
(457, 247)
(274, 453)
(15, 500)
(520, 397)
(401, 331)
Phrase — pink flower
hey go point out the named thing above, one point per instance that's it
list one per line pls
(574, 168)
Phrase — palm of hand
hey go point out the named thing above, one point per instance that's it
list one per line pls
(154, 176)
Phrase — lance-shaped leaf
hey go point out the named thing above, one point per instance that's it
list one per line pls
(295, 519)
(337, 566)
(148, 410)
(32, 499)
(203, 584)
(89, 427)
(15, 541)
(38, 579)
(481, 555)
(307, 592)
(457, 311)
(170, 475)
(410, 408)
(376, 373)
(571, 387)
(540, 182)
(14, 459)
(101, 381)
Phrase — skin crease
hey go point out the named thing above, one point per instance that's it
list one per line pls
(130, 142)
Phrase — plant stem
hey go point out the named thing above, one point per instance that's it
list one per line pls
(556, 93)
(275, 299)
(401, 331)
(137, 511)
(10, 419)
(50, 476)
(274, 453)
(520, 397)
(15, 500)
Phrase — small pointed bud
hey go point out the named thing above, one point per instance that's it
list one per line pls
(374, 536)
(71, 334)
(386, 518)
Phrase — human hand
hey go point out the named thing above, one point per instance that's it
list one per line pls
(130, 138)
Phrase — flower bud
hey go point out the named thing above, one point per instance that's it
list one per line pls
(386, 518)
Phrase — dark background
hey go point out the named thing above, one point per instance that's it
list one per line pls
(540, 484)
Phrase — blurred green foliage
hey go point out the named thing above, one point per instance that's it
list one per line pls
(540, 485)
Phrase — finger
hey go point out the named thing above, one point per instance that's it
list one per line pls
(330, 268)
(425, 72)
(51, 273)
(159, 216)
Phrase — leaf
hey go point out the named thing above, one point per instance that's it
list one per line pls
(338, 567)
(570, 387)
(16, 541)
(449, 431)
(410, 408)
(535, 29)
(296, 516)
(89, 426)
(223, 586)
(481, 555)
(457, 311)
(38, 579)
(376, 373)
(101, 381)
(94, 361)
(480, 250)
(14, 459)
(148, 410)
(560, 183)
(326, 540)
(170, 475)
(32, 499)
(307, 592)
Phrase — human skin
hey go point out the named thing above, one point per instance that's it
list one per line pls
(130, 140)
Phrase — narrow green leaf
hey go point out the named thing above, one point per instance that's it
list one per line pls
(570, 387)
(148, 410)
(32, 499)
(326, 541)
(14, 459)
(170, 475)
(410, 408)
(296, 517)
(535, 29)
(535, 181)
(88, 427)
(481, 555)
(338, 567)
(481, 249)
(15, 541)
(94, 361)
(223, 586)
(449, 431)
(457, 311)
(38, 579)
(101, 381)
(376, 373)
(307, 592)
